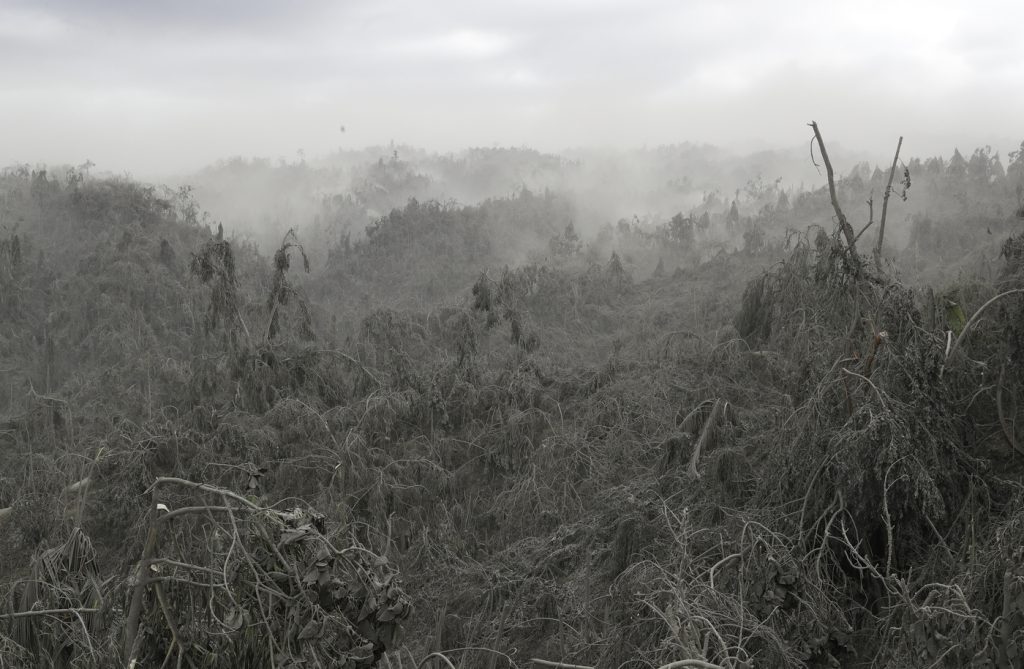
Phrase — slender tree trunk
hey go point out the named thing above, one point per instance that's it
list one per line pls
(885, 207)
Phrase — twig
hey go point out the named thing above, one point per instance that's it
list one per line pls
(867, 381)
(810, 487)
(864, 229)
(888, 517)
(871, 217)
(171, 624)
(942, 539)
(720, 563)
(259, 584)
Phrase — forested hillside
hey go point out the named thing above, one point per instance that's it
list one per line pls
(469, 405)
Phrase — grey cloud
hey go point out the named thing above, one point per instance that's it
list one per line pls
(192, 81)
(200, 15)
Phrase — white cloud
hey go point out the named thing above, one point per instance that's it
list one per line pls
(458, 44)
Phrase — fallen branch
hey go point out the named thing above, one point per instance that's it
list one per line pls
(204, 487)
(700, 664)
(45, 612)
(558, 665)
(186, 510)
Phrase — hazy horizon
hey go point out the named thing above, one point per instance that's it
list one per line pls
(161, 90)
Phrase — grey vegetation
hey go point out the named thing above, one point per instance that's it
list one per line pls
(684, 405)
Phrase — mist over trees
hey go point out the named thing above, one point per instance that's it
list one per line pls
(655, 408)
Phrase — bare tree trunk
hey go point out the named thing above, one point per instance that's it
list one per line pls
(844, 224)
(885, 207)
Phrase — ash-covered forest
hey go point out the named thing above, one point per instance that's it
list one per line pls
(671, 407)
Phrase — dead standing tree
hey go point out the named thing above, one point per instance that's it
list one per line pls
(844, 223)
(885, 203)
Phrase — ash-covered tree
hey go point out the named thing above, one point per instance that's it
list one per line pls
(680, 229)
(957, 168)
(782, 205)
(11, 273)
(733, 217)
(283, 293)
(1015, 176)
(214, 266)
(566, 244)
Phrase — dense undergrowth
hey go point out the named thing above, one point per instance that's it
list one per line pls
(512, 439)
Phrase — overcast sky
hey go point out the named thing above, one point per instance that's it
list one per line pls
(153, 88)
